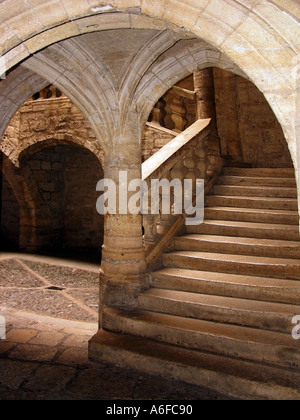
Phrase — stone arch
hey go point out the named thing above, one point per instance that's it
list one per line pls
(67, 140)
(178, 62)
(241, 36)
(18, 86)
(261, 38)
(29, 199)
(35, 179)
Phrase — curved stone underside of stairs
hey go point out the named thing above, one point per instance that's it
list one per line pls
(220, 310)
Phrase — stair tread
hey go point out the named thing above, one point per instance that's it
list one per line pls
(251, 225)
(240, 240)
(264, 282)
(247, 379)
(254, 179)
(274, 172)
(245, 197)
(227, 303)
(201, 327)
(253, 202)
(256, 191)
(236, 258)
(258, 187)
(253, 210)
(275, 231)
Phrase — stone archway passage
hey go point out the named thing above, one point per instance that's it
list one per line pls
(65, 178)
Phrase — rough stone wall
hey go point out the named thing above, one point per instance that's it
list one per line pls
(54, 120)
(247, 122)
(57, 160)
(66, 178)
(154, 138)
(83, 226)
(10, 217)
(262, 138)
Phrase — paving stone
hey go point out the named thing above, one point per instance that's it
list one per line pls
(105, 384)
(14, 373)
(20, 335)
(33, 352)
(83, 331)
(158, 388)
(74, 356)
(51, 339)
(50, 378)
(16, 395)
(77, 341)
(5, 346)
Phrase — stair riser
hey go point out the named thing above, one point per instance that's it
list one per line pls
(252, 203)
(185, 244)
(262, 320)
(260, 172)
(255, 192)
(260, 293)
(244, 216)
(243, 268)
(245, 232)
(281, 356)
(254, 182)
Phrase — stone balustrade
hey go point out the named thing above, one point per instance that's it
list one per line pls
(182, 158)
(173, 110)
(49, 92)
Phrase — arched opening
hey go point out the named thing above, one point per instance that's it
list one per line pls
(51, 253)
(66, 218)
(54, 163)
(249, 131)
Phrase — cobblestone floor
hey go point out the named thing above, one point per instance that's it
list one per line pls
(48, 286)
(44, 355)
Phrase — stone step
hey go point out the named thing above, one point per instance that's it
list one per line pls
(289, 204)
(246, 191)
(216, 338)
(234, 264)
(257, 181)
(252, 215)
(229, 376)
(246, 229)
(230, 285)
(249, 313)
(261, 172)
(239, 246)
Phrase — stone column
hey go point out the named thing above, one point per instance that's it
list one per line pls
(206, 108)
(123, 269)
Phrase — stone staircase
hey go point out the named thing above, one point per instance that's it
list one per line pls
(220, 311)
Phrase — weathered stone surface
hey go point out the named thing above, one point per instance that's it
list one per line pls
(257, 38)
(57, 377)
(14, 373)
(20, 336)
